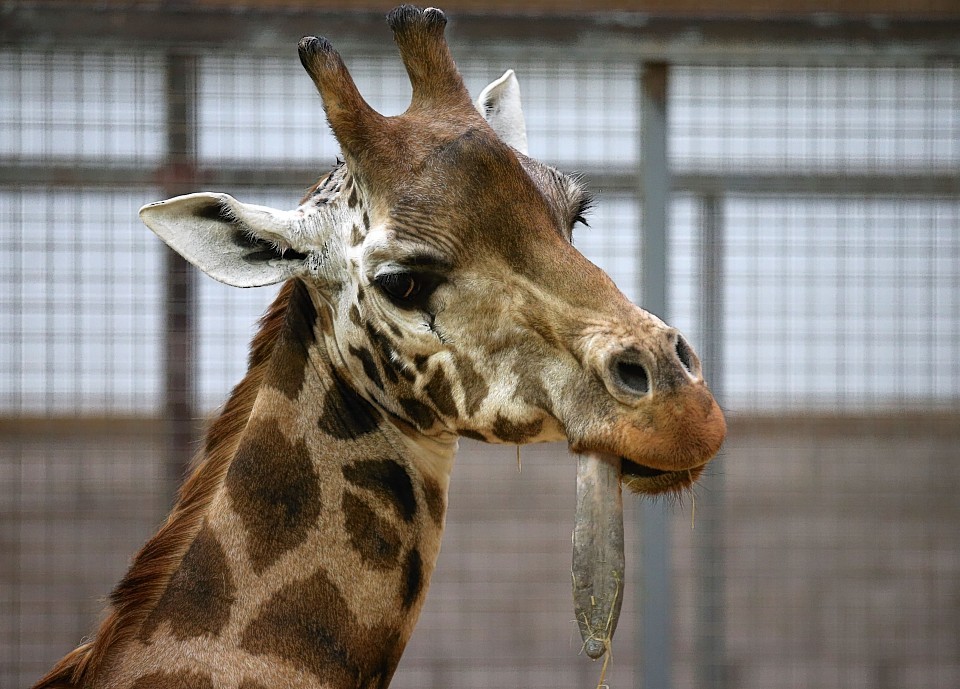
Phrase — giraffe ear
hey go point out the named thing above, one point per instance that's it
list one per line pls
(236, 243)
(499, 103)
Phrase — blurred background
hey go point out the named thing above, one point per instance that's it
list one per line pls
(780, 180)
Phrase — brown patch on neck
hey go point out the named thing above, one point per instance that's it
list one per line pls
(200, 593)
(308, 624)
(288, 370)
(149, 575)
(275, 491)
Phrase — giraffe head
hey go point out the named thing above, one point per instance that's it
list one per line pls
(440, 259)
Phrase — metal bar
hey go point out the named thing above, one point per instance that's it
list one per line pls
(711, 669)
(656, 593)
(180, 297)
(928, 183)
(919, 184)
(931, 183)
(717, 39)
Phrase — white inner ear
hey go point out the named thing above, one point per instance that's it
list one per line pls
(238, 244)
(499, 103)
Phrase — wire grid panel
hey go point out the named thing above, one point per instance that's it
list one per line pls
(81, 474)
(837, 301)
(833, 304)
(799, 118)
(842, 303)
(842, 560)
(81, 304)
(81, 459)
(81, 104)
(77, 500)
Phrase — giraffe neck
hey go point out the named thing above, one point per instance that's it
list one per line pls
(309, 564)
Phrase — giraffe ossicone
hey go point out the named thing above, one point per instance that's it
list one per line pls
(430, 291)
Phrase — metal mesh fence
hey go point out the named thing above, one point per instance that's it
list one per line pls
(822, 118)
(836, 352)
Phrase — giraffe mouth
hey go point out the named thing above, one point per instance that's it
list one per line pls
(649, 481)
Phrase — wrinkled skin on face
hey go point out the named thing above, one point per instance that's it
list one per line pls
(532, 339)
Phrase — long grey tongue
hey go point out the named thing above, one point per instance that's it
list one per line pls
(598, 562)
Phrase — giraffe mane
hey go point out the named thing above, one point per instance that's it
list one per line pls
(148, 576)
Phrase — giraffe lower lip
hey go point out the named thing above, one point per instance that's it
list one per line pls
(640, 470)
(640, 478)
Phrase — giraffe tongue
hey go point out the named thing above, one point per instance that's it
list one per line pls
(598, 562)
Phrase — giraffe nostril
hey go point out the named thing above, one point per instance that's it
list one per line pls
(632, 377)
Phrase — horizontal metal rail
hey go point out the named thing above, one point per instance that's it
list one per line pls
(812, 37)
(920, 183)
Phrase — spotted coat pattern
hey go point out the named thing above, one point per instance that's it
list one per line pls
(314, 482)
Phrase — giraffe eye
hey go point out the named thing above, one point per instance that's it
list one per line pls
(408, 289)
(399, 286)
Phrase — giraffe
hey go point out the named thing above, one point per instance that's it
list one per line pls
(431, 290)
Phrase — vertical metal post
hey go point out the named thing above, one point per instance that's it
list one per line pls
(179, 288)
(656, 592)
(710, 640)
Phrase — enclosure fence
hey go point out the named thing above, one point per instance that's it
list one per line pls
(786, 195)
